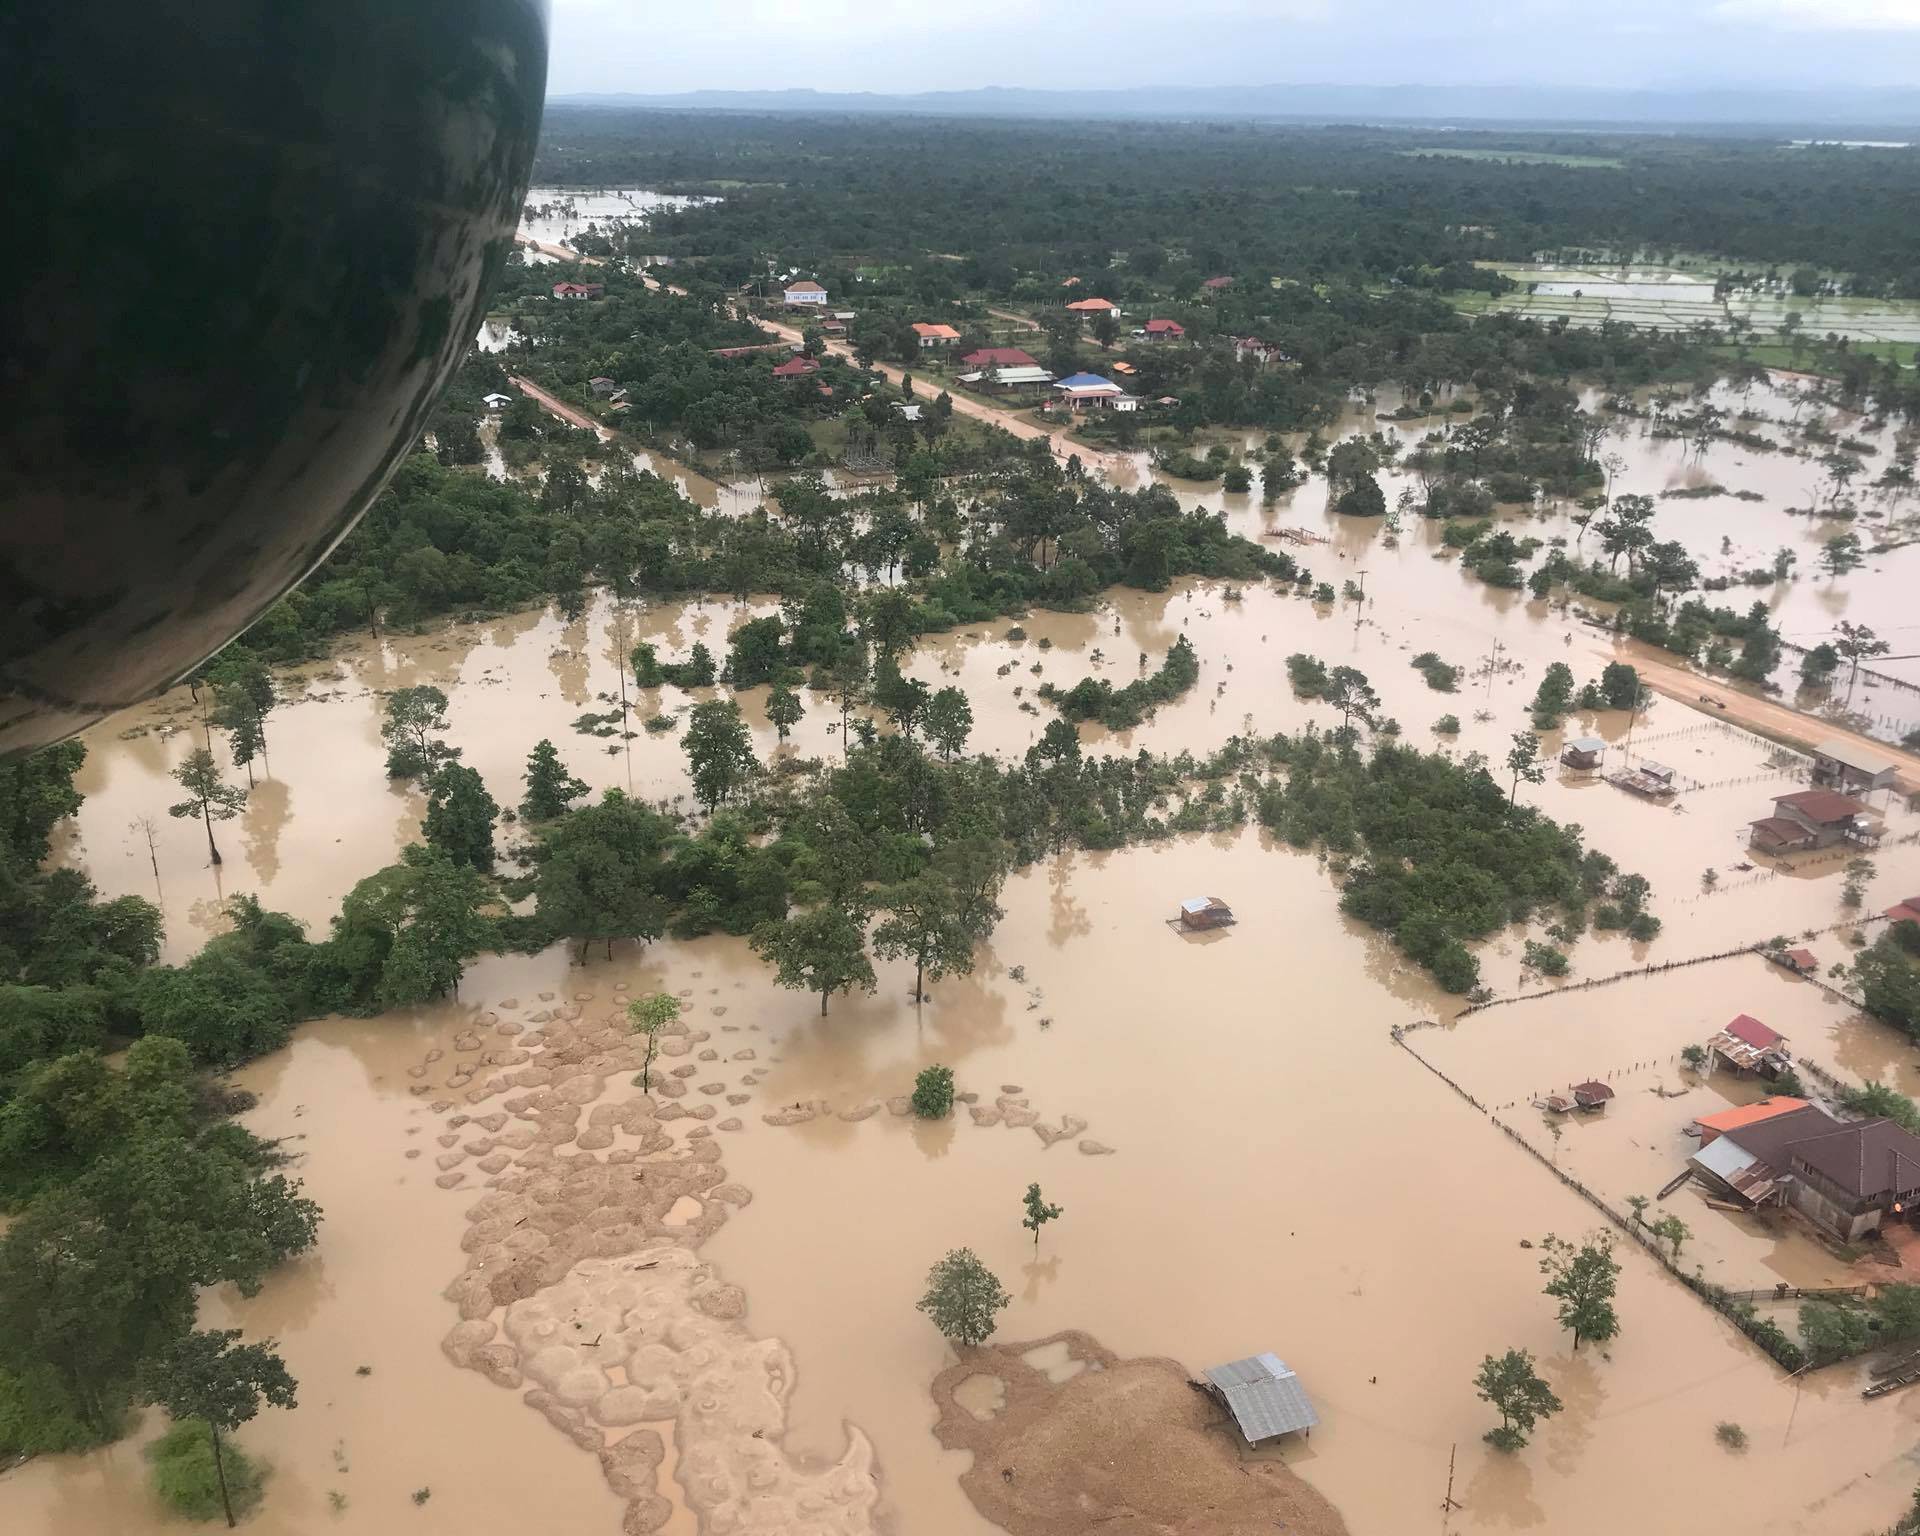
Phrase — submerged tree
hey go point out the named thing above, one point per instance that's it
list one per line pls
(719, 751)
(207, 797)
(416, 719)
(209, 1377)
(650, 1017)
(822, 951)
(599, 873)
(948, 720)
(550, 788)
(460, 817)
(1511, 1384)
(784, 710)
(1039, 1213)
(1583, 1280)
(1523, 761)
(963, 1298)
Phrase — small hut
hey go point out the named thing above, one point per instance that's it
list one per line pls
(1583, 752)
(1205, 912)
(1651, 779)
(1802, 962)
(1264, 1397)
(1591, 1095)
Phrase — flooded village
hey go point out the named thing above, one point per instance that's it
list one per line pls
(1305, 1190)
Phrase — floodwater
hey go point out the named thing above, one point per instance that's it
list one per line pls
(1282, 1176)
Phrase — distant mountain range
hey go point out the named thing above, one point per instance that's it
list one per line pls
(1464, 104)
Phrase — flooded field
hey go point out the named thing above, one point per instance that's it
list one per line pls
(1245, 1159)
(1665, 299)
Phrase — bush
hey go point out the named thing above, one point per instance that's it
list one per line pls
(1545, 959)
(933, 1093)
(1440, 677)
(1731, 1435)
(186, 1481)
(1447, 725)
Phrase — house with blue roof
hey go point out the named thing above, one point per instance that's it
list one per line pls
(1089, 391)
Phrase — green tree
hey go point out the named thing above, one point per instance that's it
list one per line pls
(415, 720)
(847, 680)
(207, 797)
(599, 874)
(1832, 1333)
(1673, 1230)
(36, 794)
(1620, 685)
(948, 720)
(759, 652)
(1856, 643)
(784, 710)
(931, 923)
(1511, 1384)
(1348, 691)
(822, 951)
(1523, 761)
(719, 751)
(1039, 1213)
(933, 1093)
(550, 788)
(460, 817)
(1554, 698)
(650, 1017)
(1582, 1279)
(235, 714)
(210, 1377)
(963, 1298)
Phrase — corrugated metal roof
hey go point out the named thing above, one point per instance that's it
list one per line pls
(1587, 744)
(1264, 1396)
(1196, 904)
(1858, 758)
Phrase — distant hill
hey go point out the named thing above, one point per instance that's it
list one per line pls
(1784, 109)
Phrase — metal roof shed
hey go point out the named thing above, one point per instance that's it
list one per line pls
(1264, 1397)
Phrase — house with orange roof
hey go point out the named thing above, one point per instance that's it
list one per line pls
(1090, 307)
(935, 335)
(1716, 1125)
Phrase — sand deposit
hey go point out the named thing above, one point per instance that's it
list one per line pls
(1122, 1447)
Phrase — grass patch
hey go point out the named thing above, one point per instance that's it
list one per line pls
(186, 1481)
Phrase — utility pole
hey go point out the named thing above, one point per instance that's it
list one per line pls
(1493, 665)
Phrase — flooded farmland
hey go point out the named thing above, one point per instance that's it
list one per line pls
(1245, 1159)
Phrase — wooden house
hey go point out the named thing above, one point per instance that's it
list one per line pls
(1583, 752)
(1205, 912)
(1851, 769)
(1812, 818)
(1651, 780)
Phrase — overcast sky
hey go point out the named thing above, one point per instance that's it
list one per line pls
(913, 45)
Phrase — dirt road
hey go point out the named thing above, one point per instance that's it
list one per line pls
(1762, 716)
(559, 407)
(1020, 320)
(964, 405)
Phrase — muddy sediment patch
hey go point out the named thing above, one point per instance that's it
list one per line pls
(584, 1291)
(1083, 1441)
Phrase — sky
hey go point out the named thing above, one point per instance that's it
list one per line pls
(892, 46)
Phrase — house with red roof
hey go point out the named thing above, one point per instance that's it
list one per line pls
(1163, 330)
(796, 368)
(1215, 284)
(1747, 1045)
(999, 357)
(1812, 818)
(579, 290)
(805, 294)
(1905, 911)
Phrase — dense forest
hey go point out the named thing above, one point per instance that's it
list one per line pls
(1022, 200)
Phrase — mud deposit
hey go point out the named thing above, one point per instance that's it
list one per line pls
(1120, 1446)
(583, 1286)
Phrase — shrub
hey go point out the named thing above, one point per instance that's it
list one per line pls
(1731, 1435)
(1447, 725)
(186, 1480)
(933, 1093)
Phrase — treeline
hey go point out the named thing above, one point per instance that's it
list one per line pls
(1119, 709)
(439, 541)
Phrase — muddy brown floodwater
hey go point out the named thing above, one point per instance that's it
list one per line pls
(711, 1307)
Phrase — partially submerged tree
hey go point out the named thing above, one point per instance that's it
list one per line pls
(460, 817)
(933, 1093)
(550, 788)
(207, 797)
(1582, 1279)
(963, 1298)
(416, 719)
(650, 1017)
(599, 873)
(1038, 1213)
(784, 710)
(719, 751)
(210, 1377)
(1511, 1384)
(824, 951)
(1523, 761)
